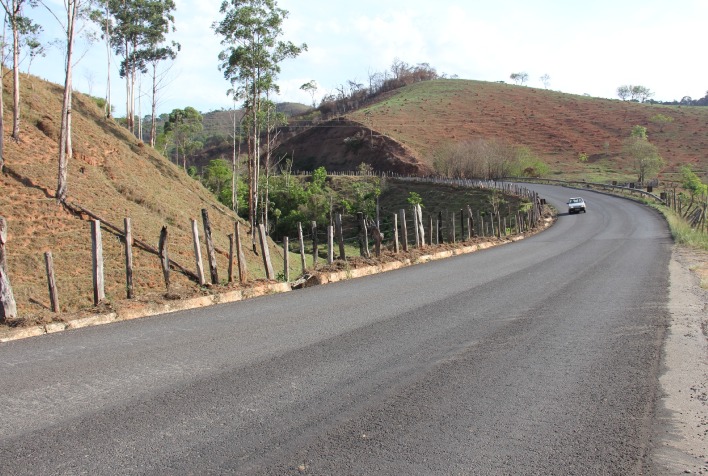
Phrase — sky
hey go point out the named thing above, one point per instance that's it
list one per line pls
(589, 47)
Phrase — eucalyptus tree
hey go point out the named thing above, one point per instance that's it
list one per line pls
(75, 11)
(139, 31)
(250, 31)
(20, 25)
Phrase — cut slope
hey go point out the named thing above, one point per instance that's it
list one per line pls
(114, 176)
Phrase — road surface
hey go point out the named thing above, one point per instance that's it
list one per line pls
(537, 357)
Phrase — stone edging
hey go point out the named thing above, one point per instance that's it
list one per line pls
(241, 294)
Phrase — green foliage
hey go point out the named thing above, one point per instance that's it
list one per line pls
(639, 132)
(645, 155)
(692, 182)
(661, 120)
(319, 177)
(583, 157)
(414, 199)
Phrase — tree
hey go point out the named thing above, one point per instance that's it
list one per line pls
(182, 126)
(310, 87)
(646, 156)
(623, 92)
(20, 25)
(695, 187)
(546, 80)
(519, 78)
(661, 120)
(251, 63)
(139, 29)
(75, 10)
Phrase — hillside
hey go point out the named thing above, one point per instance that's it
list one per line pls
(556, 126)
(114, 176)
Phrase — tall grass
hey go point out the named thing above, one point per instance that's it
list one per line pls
(682, 231)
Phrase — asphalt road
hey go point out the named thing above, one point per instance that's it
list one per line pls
(537, 357)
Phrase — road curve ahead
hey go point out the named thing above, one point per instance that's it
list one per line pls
(537, 357)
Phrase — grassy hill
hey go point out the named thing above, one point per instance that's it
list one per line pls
(556, 126)
(114, 176)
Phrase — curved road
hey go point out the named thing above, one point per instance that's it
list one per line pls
(537, 357)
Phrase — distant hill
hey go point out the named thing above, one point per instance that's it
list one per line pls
(556, 126)
(114, 176)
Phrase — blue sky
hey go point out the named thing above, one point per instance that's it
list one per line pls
(585, 47)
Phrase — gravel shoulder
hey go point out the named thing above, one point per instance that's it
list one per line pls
(682, 415)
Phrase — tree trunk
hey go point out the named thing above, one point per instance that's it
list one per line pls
(153, 121)
(16, 79)
(65, 131)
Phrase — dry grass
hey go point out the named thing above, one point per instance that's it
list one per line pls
(556, 126)
(113, 175)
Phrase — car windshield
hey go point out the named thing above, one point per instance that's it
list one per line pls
(575, 200)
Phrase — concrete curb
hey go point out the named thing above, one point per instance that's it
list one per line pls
(241, 294)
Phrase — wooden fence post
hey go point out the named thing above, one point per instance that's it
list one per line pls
(242, 274)
(164, 258)
(340, 235)
(51, 281)
(302, 247)
(286, 259)
(198, 252)
(128, 258)
(396, 245)
(314, 244)
(452, 227)
(441, 238)
(8, 306)
(232, 251)
(363, 236)
(99, 292)
(211, 253)
(330, 244)
(404, 229)
(421, 227)
(265, 252)
(431, 229)
(462, 225)
(415, 227)
(376, 233)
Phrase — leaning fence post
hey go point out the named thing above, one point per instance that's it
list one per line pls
(164, 258)
(265, 252)
(302, 246)
(198, 252)
(404, 230)
(51, 281)
(8, 306)
(128, 258)
(211, 253)
(99, 293)
(363, 236)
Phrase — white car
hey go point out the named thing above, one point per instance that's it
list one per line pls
(576, 205)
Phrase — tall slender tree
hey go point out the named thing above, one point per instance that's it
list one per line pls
(250, 31)
(19, 25)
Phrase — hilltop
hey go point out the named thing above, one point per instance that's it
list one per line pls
(114, 176)
(404, 128)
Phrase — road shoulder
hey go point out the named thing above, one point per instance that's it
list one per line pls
(682, 415)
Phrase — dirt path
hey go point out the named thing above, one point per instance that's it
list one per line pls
(683, 413)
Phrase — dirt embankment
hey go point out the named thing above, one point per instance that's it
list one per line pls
(342, 145)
